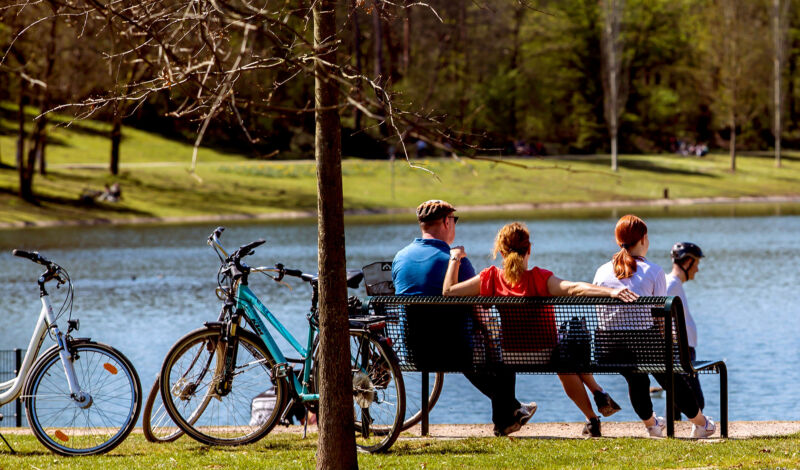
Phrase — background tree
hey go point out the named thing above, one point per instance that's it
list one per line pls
(614, 90)
(735, 46)
(779, 13)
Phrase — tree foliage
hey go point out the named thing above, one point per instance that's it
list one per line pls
(482, 75)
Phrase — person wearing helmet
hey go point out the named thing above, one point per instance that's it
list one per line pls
(685, 265)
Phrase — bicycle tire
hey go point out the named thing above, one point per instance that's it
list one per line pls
(378, 392)
(158, 426)
(197, 407)
(68, 429)
(413, 385)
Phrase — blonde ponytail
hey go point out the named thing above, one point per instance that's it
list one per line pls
(513, 243)
(513, 267)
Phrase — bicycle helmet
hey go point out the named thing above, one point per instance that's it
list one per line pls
(683, 250)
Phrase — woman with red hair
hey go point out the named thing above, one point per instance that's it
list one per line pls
(515, 279)
(616, 327)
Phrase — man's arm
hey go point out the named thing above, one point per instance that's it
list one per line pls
(451, 286)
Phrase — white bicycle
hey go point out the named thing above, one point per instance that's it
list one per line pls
(81, 397)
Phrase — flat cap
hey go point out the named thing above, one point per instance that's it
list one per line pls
(433, 210)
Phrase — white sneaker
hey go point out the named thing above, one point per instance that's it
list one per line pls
(702, 432)
(657, 430)
(525, 412)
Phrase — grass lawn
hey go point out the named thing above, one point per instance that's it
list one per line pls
(233, 184)
(284, 451)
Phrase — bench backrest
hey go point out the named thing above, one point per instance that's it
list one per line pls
(534, 334)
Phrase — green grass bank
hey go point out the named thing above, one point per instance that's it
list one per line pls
(156, 184)
(284, 451)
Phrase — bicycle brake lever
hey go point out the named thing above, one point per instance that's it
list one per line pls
(281, 272)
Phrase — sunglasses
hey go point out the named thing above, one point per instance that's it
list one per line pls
(454, 217)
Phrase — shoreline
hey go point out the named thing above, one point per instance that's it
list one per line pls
(500, 208)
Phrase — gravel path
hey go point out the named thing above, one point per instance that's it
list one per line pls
(737, 430)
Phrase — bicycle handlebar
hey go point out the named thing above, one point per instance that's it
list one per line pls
(292, 272)
(33, 256)
(246, 250)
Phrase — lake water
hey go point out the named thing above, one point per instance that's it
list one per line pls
(140, 288)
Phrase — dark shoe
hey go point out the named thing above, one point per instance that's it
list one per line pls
(592, 428)
(605, 404)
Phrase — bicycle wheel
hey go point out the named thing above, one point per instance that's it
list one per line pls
(378, 392)
(413, 383)
(70, 428)
(192, 388)
(157, 426)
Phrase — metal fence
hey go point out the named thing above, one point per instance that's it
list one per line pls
(10, 361)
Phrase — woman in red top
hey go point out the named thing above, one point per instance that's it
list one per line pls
(515, 279)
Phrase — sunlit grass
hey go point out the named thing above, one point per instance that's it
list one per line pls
(285, 451)
(229, 184)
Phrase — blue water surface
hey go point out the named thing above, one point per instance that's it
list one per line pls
(140, 288)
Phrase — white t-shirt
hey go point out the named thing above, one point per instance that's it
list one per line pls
(675, 288)
(648, 280)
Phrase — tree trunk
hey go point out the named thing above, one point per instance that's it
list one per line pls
(336, 447)
(406, 40)
(777, 60)
(40, 129)
(357, 46)
(25, 176)
(40, 133)
(732, 123)
(377, 40)
(612, 17)
(116, 138)
(519, 15)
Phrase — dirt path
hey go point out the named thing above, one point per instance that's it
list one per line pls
(736, 430)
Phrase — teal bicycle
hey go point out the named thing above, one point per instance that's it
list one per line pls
(224, 384)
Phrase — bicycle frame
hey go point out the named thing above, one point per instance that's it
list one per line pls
(248, 302)
(46, 320)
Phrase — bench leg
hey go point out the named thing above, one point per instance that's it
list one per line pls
(723, 400)
(424, 405)
(670, 379)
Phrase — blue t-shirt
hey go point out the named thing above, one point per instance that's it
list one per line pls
(420, 267)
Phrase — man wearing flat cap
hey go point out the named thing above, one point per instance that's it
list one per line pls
(441, 334)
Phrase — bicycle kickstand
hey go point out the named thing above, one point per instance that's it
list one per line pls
(305, 425)
(4, 439)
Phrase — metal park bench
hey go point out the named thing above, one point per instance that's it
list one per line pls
(543, 335)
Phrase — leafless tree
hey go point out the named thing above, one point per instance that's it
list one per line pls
(735, 47)
(613, 91)
(779, 29)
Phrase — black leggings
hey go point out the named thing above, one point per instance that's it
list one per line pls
(639, 393)
(615, 347)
